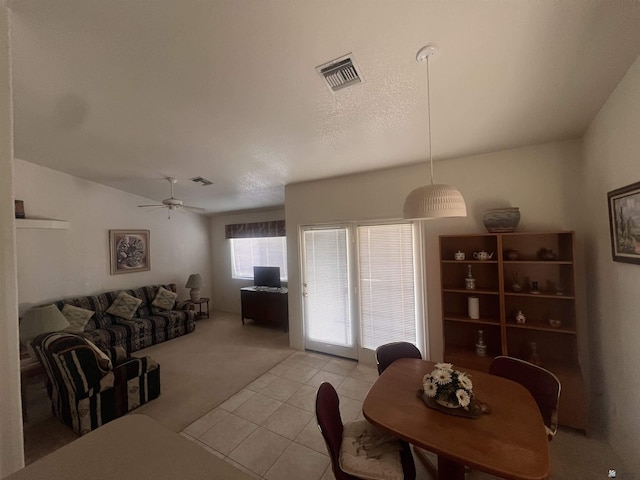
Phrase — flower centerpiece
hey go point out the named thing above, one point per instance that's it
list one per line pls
(448, 387)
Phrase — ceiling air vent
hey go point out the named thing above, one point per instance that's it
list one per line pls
(340, 73)
(201, 180)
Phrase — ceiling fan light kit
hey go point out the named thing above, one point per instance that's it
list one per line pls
(433, 200)
(173, 203)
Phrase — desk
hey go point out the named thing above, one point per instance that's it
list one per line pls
(510, 442)
(269, 305)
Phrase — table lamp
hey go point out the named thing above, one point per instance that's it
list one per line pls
(39, 320)
(194, 283)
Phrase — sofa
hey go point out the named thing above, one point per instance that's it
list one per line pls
(149, 324)
(88, 386)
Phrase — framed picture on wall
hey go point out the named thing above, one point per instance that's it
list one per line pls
(129, 251)
(624, 220)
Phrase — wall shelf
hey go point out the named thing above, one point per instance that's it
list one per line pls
(49, 223)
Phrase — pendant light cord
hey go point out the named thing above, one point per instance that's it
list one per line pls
(429, 119)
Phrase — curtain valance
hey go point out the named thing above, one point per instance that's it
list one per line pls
(274, 228)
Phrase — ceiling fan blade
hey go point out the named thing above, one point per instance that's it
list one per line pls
(153, 209)
(193, 209)
(154, 205)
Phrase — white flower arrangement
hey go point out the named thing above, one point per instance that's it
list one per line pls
(448, 387)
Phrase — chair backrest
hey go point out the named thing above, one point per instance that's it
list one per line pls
(543, 385)
(330, 425)
(390, 352)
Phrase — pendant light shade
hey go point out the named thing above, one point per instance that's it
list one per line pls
(434, 200)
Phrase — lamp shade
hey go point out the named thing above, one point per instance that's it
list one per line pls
(195, 281)
(39, 320)
(434, 201)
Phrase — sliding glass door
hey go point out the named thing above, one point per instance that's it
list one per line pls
(356, 299)
(326, 289)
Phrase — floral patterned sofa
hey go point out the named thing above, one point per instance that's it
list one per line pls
(144, 325)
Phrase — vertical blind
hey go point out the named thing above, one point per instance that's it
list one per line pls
(386, 284)
(327, 298)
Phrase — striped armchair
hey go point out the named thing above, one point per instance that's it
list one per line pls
(89, 387)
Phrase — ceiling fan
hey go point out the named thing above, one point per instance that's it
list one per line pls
(173, 203)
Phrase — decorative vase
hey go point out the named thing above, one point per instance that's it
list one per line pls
(481, 347)
(501, 220)
(546, 254)
(534, 357)
(534, 288)
(469, 281)
(473, 305)
(446, 403)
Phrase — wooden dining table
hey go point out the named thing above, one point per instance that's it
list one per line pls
(510, 441)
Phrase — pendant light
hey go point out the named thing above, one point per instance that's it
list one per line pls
(433, 200)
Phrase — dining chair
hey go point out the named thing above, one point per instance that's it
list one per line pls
(331, 427)
(543, 385)
(390, 352)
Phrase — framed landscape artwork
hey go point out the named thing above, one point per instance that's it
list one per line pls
(129, 251)
(624, 219)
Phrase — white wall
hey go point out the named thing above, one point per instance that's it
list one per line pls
(54, 264)
(11, 454)
(226, 290)
(538, 179)
(611, 161)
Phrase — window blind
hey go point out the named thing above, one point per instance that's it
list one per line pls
(265, 252)
(328, 300)
(386, 284)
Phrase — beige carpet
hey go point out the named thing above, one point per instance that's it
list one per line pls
(197, 372)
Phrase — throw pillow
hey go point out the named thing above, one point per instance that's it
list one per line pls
(124, 306)
(164, 299)
(77, 317)
(366, 452)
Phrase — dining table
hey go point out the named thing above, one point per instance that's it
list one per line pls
(509, 441)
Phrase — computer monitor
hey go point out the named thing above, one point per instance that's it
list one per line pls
(266, 277)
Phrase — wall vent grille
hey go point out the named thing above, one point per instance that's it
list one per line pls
(340, 73)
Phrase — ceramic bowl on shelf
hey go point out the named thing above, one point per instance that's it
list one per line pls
(555, 323)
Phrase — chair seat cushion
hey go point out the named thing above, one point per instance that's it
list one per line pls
(366, 452)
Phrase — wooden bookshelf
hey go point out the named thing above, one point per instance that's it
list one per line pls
(557, 345)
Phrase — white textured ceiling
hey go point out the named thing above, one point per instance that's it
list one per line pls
(126, 92)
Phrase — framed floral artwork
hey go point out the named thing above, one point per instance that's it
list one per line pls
(129, 251)
(624, 220)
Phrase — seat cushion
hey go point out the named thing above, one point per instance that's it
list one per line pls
(366, 452)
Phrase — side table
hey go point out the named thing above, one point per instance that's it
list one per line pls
(202, 300)
(29, 367)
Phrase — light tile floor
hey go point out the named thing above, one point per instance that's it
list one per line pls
(269, 429)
